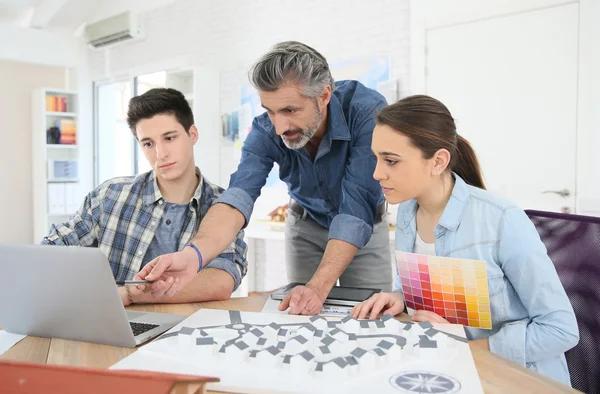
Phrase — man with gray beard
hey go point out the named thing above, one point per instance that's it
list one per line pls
(319, 132)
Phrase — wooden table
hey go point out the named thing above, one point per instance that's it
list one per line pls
(498, 375)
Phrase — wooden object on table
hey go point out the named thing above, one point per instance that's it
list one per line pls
(26, 378)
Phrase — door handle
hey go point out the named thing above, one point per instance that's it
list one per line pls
(562, 193)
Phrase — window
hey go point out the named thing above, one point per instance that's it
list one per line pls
(117, 150)
(115, 145)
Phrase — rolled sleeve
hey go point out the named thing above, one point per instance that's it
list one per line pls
(239, 199)
(350, 229)
(233, 260)
(228, 266)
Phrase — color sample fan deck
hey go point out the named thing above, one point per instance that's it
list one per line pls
(456, 289)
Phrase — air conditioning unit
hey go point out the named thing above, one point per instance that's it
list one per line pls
(116, 29)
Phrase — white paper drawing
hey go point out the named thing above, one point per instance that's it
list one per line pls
(274, 353)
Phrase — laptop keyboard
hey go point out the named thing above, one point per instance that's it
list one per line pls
(140, 328)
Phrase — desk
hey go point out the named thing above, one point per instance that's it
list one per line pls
(497, 374)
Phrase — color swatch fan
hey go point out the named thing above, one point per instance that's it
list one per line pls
(456, 289)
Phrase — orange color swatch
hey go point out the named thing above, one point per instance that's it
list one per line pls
(456, 289)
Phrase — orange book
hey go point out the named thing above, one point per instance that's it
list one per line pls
(68, 131)
(50, 104)
(28, 378)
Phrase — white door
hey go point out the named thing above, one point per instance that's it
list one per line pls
(511, 84)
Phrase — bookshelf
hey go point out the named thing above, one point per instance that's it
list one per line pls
(55, 166)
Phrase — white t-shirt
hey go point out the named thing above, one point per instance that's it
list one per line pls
(422, 247)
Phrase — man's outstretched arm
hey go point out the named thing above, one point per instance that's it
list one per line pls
(210, 284)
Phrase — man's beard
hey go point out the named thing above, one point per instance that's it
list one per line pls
(304, 135)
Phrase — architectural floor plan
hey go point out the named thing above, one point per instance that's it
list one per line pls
(260, 352)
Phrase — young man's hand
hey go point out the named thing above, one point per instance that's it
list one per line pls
(128, 293)
(170, 272)
(124, 296)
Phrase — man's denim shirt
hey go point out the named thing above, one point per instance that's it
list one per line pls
(337, 188)
(533, 322)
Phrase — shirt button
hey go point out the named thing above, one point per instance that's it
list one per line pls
(441, 241)
(139, 252)
(160, 202)
(168, 221)
(153, 224)
(320, 183)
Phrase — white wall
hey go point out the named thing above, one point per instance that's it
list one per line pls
(30, 59)
(20, 79)
(588, 139)
(37, 46)
(107, 8)
(430, 14)
(229, 35)
(447, 12)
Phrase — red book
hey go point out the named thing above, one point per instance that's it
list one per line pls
(29, 378)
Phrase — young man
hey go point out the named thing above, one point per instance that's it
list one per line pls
(319, 132)
(136, 219)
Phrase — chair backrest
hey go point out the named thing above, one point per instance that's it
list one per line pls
(573, 243)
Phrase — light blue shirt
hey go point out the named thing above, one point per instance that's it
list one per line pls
(533, 322)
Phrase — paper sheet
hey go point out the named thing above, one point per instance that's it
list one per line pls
(8, 340)
(278, 353)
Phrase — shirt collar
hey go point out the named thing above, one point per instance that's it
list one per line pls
(453, 212)
(455, 208)
(337, 126)
(152, 192)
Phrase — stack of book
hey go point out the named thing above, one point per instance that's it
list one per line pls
(68, 131)
(57, 104)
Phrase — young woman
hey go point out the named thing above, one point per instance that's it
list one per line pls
(433, 173)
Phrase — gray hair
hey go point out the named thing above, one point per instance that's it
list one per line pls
(292, 61)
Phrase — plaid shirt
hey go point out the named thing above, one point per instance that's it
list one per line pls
(121, 217)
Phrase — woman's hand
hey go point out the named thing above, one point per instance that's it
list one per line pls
(384, 303)
(432, 317)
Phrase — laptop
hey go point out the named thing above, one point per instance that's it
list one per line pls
(70, 293)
